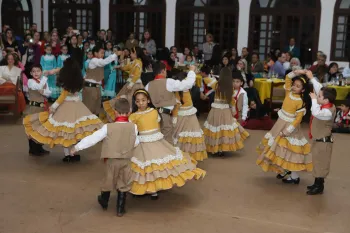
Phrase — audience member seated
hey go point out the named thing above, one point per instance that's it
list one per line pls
(257, 117)
(9, 75)
(320, 69)
(342, 120)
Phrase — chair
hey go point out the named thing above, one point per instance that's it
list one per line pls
(277, 95)
(11, 99)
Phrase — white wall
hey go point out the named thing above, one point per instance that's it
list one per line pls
(243, 24)
(36, 5)
(104, 14)
(170, 23)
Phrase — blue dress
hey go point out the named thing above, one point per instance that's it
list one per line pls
(48, 62)
(60, 59)
(108, 68)
(110, 85)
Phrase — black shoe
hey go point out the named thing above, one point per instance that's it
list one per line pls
(66, 159)
(75, 158)
(103, 199)
(154, 197)
(43, 151)
(291, 181)
(121, 199)
(282, 175)
(312, 186)
(34, 148)
(318, 188)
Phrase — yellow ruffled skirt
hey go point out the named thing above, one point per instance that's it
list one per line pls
(67, 126)
(157, 165)
(278, 154)
(189, 137)
(222, 132)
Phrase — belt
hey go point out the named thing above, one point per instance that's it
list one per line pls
(36, 104)
(87, 84)
(325, 139)
(164, 110)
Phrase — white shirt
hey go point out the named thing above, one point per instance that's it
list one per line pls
(173, 85)
(33, 85)
(100, 62)
(286, 65)
(9, 75)
(98, 136)
(245, 102)
(321, 114)
(346, 72)
(291, 48)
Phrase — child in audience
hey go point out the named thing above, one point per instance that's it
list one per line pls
(342, 120)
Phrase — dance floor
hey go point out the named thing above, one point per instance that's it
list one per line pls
(44, 195)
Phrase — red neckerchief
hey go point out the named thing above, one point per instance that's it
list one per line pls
(46, 103)
(344, 115)
(159, 76)
(326, 106)
(122, 119)
(236, 98)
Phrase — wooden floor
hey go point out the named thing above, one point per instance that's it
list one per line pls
(43, 195)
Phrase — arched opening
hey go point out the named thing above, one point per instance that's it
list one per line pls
(17, 14)
(137, 16)
(274, 22)
(80, 14)
(196, 18)
(341, 31)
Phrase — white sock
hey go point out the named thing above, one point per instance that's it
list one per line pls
(294, 175)
(66, 151)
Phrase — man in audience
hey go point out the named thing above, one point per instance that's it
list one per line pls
(293, 48)
(278, 68)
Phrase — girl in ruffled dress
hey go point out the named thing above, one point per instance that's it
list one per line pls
(157, 165)
(284, 149)
(68, 119)
(221, 130)
(188, 135)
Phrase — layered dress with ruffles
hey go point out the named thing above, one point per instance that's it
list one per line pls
(156, 164)
(222, 132)
(69, 122)
(290, 152)
(134, 69)
(188, 135)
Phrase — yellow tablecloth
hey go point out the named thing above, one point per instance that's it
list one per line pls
(342, 92)
(264, 87)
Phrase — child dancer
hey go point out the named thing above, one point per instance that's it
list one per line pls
(284, 149)
(49, 64)
(188, 135)
(221, 130)
(93, 79)
(38, 92)
(156, 164)
(209, 84)
(69, 120)
(240, 97)
(342, 120)
(135, 69)
(323, 113)
(116, 155)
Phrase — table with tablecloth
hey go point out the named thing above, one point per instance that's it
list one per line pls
(342, 92)
(264, 87)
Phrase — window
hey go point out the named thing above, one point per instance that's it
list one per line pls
(17, 14)
(80, 14)
(194, 19)
(274, 22)
(138, 16)
(341, 31)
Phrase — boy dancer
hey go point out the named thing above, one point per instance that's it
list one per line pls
(116, 155)
(323, 113)
(162, 91)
